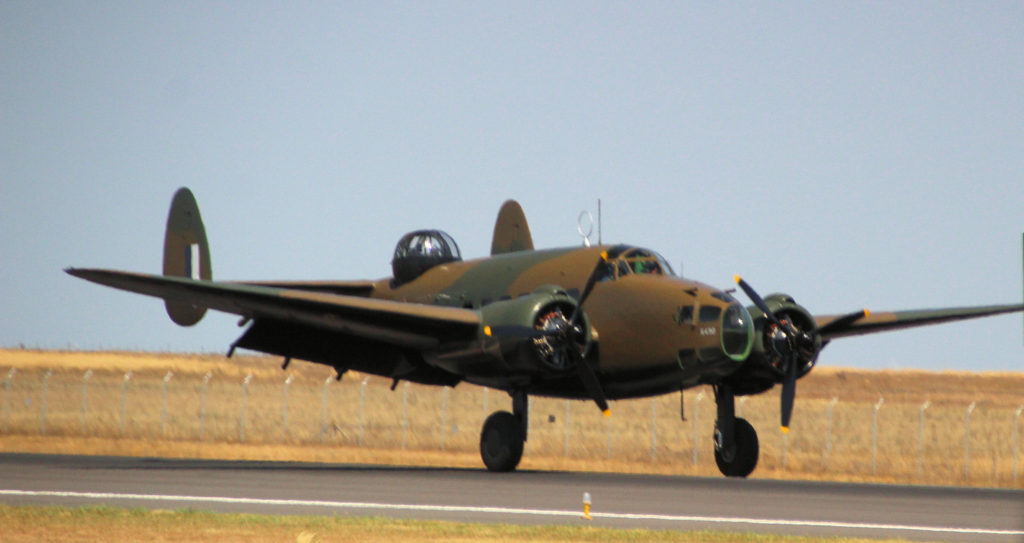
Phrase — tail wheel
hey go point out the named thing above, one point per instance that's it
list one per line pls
(501, 441)
(741, 461)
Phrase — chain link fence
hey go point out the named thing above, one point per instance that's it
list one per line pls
(887, 439)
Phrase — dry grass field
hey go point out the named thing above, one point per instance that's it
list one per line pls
(208, 406)
(89, 524)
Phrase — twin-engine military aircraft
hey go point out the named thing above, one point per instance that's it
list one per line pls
(597, 323)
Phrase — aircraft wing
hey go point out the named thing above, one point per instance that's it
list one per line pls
(836, 326)
(345, 288)
(401, 324)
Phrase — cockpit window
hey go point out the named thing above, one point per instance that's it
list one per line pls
(644, 262)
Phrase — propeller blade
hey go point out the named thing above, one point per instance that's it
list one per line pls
(754, 297)
(843, 321)
(593, 386)
(788, 394)
(589, 286)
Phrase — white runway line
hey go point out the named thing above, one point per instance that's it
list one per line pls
(504, 511)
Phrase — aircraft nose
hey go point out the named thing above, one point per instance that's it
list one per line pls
(737, 332)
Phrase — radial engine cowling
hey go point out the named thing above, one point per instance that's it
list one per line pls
(772, 343)
(541, 322)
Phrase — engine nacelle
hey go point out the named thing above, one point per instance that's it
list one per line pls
(542, 318)
(766, 335)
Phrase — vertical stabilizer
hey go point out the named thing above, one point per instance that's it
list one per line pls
(511, 232)
(186, 252)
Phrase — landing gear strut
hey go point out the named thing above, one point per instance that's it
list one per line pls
(736, 446)
(501, 441)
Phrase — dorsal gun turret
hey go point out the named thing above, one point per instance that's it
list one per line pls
(421, 250)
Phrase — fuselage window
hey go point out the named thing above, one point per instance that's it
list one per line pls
(710, 313)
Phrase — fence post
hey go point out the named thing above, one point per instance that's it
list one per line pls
(828, 434)
(1016, 448)
(124, 400)
(7, 398)
(967, 440)
(323, 409)
(920, 438)
(568, 407)
(608, 438)
(405, 411)
(284, 406)
(202, 406)
(874, 437)
(46, 386)
(85, 396)
(245, 397)
(654, 427)
(362, 408)
(444, 415)
(696, 420)
(163, 403)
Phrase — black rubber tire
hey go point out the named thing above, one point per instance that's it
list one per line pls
(501, 441)
(744, 459)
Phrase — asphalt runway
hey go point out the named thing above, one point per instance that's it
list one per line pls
(621, 501)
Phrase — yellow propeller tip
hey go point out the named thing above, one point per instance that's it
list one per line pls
(866, 312)
(737, 278)
(607, 412)
(604, 255)
(487, 331)
(785, 429)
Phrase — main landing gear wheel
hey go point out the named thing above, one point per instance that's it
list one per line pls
(501, 441)
(742, 460)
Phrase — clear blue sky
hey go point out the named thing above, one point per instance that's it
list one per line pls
(851, 154)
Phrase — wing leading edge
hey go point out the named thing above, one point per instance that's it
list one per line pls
(896, 320)
(401, 324)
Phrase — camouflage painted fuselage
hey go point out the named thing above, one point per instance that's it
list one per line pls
(650, 333)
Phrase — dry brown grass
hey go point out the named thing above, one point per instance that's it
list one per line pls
(642, 435)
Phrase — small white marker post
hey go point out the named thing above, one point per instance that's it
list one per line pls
(586, 505)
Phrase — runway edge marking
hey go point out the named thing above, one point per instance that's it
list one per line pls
(500, 510)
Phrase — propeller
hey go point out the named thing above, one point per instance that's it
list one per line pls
(560, 331)
(788, 341)
(586, 373)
